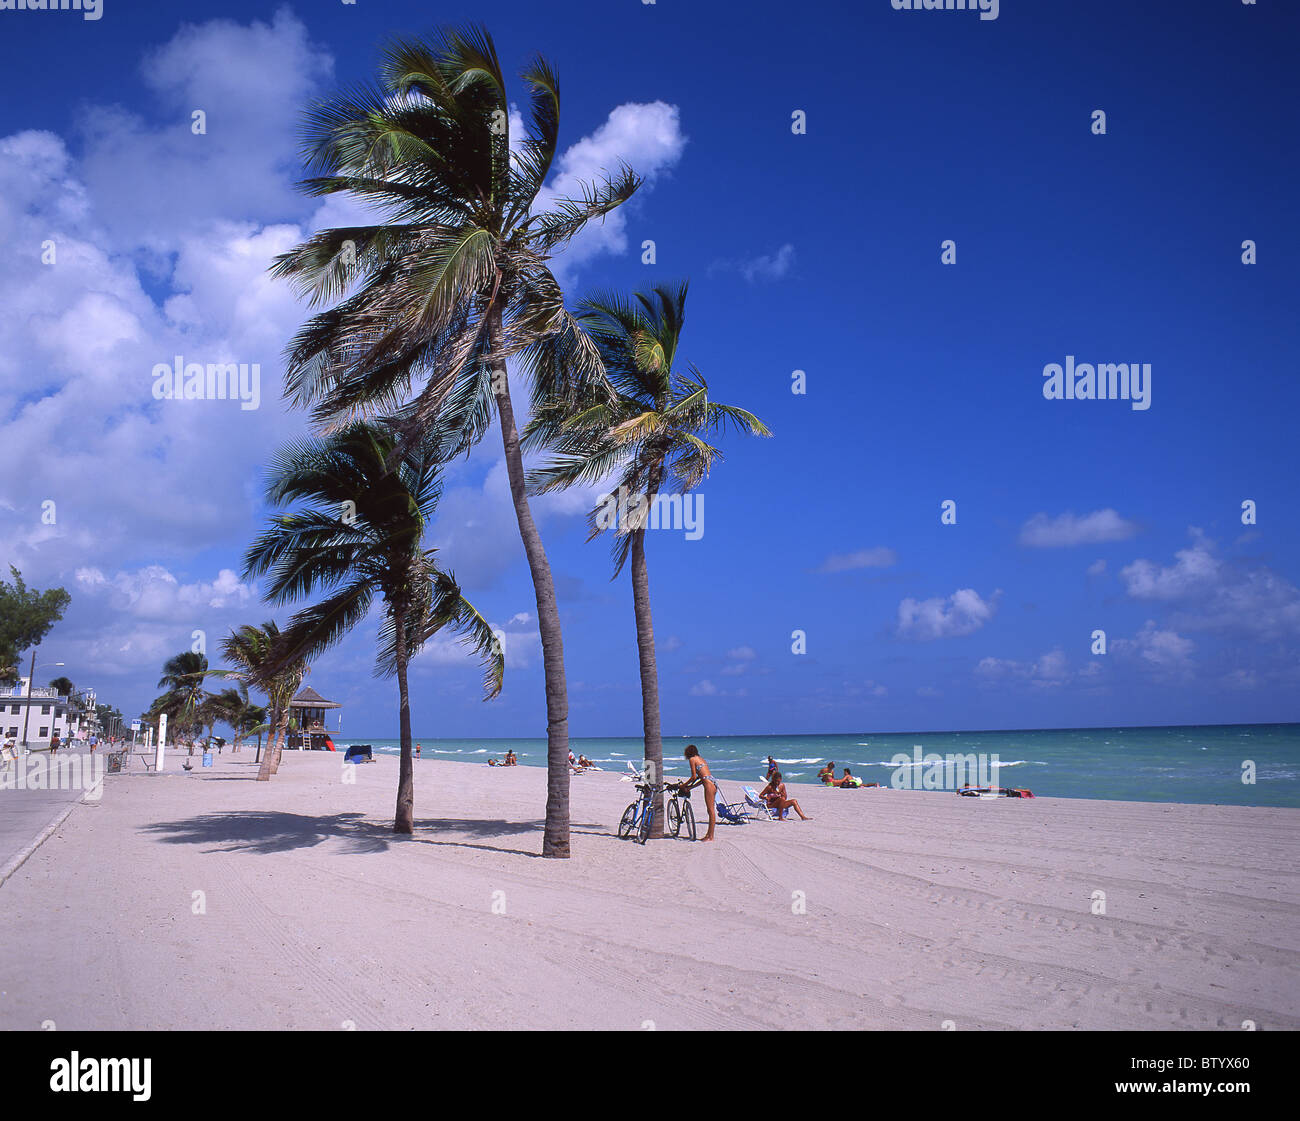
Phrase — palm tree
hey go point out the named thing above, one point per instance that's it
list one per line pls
(650, 436)
(64, 687)
(435, 300)
(183, 677)
(387, 494)
(256, 653)
(240, 713)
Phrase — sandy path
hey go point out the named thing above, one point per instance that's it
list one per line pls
(921, 908)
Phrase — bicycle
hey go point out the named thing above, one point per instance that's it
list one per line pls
(639, 814)
(679, 813)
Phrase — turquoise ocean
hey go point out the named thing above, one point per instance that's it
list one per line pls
(1202, 765)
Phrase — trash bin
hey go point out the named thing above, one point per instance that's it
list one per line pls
(207, 758)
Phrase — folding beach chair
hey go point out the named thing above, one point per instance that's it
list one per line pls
(757, 805)
(735, 813)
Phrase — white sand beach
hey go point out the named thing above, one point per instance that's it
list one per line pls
(923, 910)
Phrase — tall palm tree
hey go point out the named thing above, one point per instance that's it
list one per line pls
(64, 687)
(183, 676)
(240, 713)
(649, 437)
(432, 302)
(255, 651)
(360, 536)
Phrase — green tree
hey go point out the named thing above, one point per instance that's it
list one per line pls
(649, 437)
(256, 652)
(183, 677)
(359, 536)
(26, 617)
(435, 300)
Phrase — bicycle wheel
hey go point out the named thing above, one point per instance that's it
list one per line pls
(628, 822)
(688, 816)
(674, 817)
(643, 829)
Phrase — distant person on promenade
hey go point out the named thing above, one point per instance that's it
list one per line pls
(700, 776)
(774, 795)
(54, 743)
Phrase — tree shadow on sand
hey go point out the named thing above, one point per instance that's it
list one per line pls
(272, 831)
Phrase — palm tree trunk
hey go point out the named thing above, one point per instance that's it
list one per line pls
(404, 821)
(645, 645)
(265, 770)
(281, 738)
(555, 841)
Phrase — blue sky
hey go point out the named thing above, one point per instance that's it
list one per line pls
(817, 252)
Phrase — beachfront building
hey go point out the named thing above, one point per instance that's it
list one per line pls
(307, 721)
(44, 714)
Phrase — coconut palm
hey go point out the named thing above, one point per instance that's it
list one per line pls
(183, 676)
(256, 654)
(360, 536)
(240, 713)
(648, 438)
(433, 302)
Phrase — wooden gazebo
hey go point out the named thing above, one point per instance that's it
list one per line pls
(307, 712)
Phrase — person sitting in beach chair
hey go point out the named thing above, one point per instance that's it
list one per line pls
(774, 794)
(757, 804)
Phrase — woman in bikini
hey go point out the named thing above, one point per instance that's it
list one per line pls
(700, 776)
(774, 795)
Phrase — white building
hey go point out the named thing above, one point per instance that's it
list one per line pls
(43, 714)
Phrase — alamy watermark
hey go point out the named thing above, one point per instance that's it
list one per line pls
(930, 771)
(988, 9)
(1107, 381)
(217, 381)
(89, 9)
(629, 511)
(47, 771)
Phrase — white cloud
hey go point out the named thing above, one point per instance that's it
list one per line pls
(879, 557)
(704, 688)
(1068, 529)
(1162, 649)
(1214, 595)
(1097, 568)
(765, 267)
(961, 613)
(1049, 671)
(648, 138)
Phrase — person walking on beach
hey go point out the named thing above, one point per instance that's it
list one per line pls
(771, 767)
(700, 776)
(775, 796)
(417, 751)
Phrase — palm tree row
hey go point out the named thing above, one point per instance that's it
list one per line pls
(433, 309)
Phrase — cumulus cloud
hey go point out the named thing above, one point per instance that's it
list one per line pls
(765, 267)
(879, 557)
(648, 138)
(1156, 647)
(1210, 593)
(704, 688)
(1049, 671)
(961, 613)
(1068, 529)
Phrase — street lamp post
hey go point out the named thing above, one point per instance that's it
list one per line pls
(31, 676)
